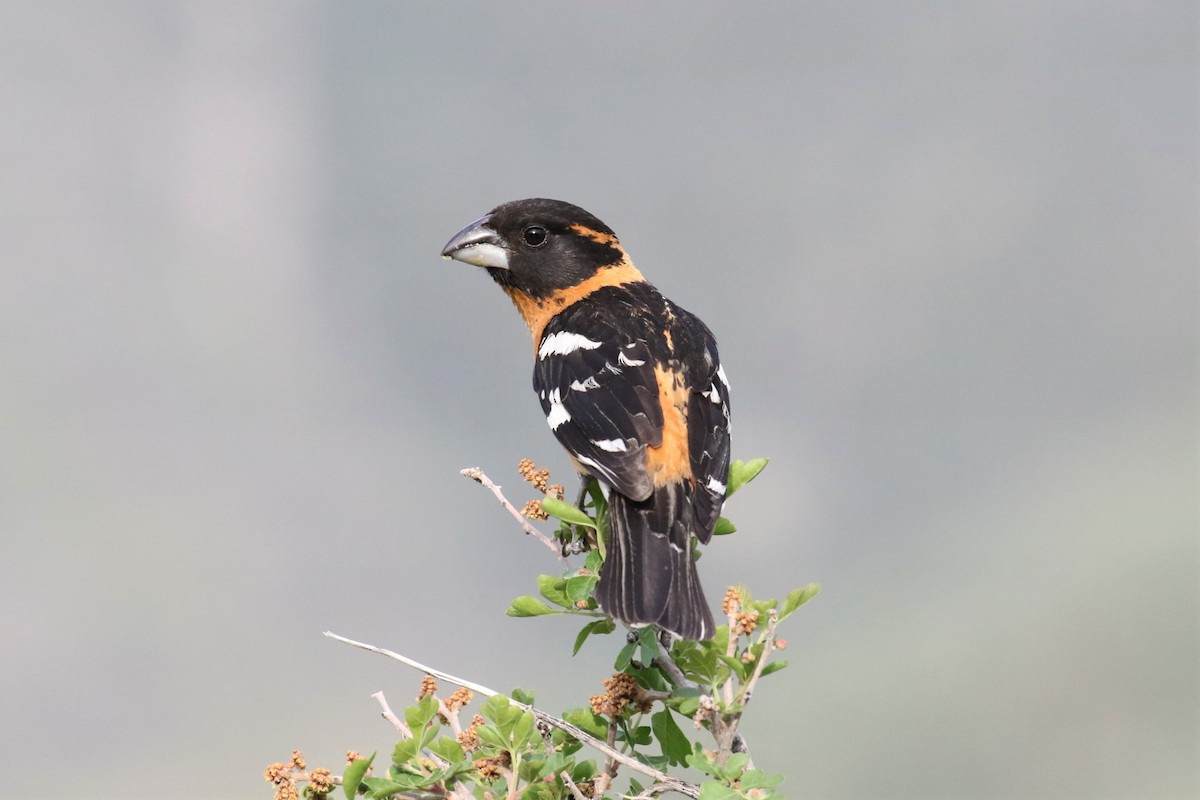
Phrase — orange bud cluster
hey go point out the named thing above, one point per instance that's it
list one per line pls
(747, 621)
(281, 776)
(321, 780)
(460, 698)
(732, 603)
(540, 478)
(533, 510)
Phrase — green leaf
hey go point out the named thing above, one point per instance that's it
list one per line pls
(639, 735)
(448, 749)
(742, 472)
(584, 771)
(554, 590)
(798, 598)
(503, 714)
(522, 695)
(352, 778)
(774, 666)
(405, 751)
(385, 787)
(418, 716)
(735, 766)
(580, 587)
(723, 527)
(566, 512)
(593, 561)
(735, 664)
(685, 700)
(525, 732)
(757, 779)
(590, 723)
(712, 790)
(490, 736)
(675, 746)
(699, 760)
(625, 657)
(605, 625)
(526, 606)
(538, 791)
(648, 644)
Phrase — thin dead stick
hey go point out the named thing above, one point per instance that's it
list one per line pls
(566, 777)
(691, 790)
(397, 723)
(478, 475)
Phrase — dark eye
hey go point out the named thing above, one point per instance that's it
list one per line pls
(535, 235)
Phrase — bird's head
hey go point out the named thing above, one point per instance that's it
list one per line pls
(537, 247)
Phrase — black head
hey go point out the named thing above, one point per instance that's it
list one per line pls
(537, 246)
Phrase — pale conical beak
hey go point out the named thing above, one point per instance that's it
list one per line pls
(479, 245)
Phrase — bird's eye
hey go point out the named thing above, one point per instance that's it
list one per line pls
(535, 235)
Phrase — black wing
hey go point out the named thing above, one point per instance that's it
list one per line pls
(594, 376)
(708, 432)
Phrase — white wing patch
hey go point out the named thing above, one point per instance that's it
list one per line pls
(590, 383)
(716, 486)
(557, 414)
(564, 343)
(600, 471)
(611, 445)
(629, 362)
(721, 375)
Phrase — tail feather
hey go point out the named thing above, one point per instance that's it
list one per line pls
(648, 576)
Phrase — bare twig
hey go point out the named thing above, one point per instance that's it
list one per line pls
(610, 766)
(730, 651)
(616, 756)
(397, 723)
(305, 777)
(476, 474)
(566, 777)
(651, 791)
(768, 648)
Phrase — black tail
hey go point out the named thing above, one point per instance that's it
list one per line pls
(648, 576)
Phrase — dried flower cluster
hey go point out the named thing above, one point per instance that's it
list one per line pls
(622, 691)
(469, 738)
(428, 686)
(706, 709)
(284, 776)
(491, 768)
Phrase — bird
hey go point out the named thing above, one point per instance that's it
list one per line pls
(632, 387)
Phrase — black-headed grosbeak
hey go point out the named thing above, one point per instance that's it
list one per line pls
(631, 385)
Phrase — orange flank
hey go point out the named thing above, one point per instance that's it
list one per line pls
(538, 311)
(669, 463)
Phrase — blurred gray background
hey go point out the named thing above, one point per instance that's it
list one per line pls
(948, 249)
